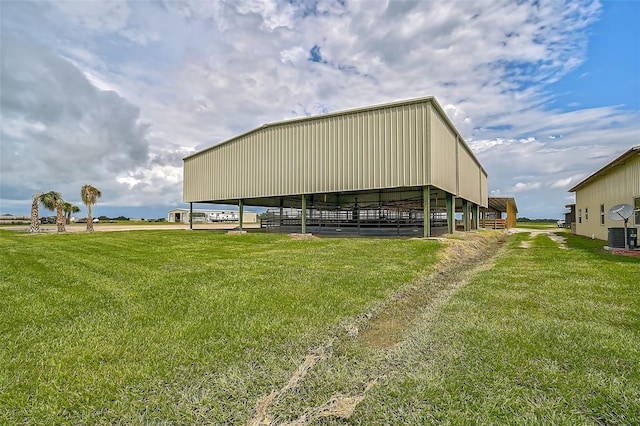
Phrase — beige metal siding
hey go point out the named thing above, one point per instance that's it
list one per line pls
(443, 164)
(484, 189)
(365, 150)
(407, 144)
(620, 186)
(468, 178)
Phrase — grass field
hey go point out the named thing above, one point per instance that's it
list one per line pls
(546, 336)
(161, 327)
(174, 326)
(552, 226)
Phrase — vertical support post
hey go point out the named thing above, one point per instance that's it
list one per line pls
(304, 214)
(450, 212)
(356, 214)
(511, 216)
(474, 216)
(240, 214)
(465, 214)
(426, 209)
(281, 209)
(190, 215)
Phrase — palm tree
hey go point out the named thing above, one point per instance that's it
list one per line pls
(90, 195)
(35, 221)
(52, 200)
(69, 208)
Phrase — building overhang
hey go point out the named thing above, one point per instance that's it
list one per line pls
(606, 169)
(499, 204)
(339, 199)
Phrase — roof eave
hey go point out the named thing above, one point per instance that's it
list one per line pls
(604, 170)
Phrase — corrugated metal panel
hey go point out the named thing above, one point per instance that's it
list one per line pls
(484, 189)
(468, 183)
(298, 158)
(619, 186)
(443, 164)
(381, 147)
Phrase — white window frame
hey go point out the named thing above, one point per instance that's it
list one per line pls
(579, 215)
(602, 214)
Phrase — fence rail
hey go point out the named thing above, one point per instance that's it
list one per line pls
(493, 223)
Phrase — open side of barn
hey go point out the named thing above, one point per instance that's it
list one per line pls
(394, 169)
(492, 216)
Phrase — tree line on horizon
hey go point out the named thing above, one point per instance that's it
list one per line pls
(53, 200)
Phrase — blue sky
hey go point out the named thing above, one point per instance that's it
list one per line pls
(116, 93)
(609, 74)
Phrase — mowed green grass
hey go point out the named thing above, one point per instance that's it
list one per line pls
(162, 327)
(546, 336)
(551, 226)
(175, 327)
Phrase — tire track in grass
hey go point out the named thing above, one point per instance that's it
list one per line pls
(263, 404)
(384, 327)
(533, 233)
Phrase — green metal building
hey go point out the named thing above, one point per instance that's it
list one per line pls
(395, 169)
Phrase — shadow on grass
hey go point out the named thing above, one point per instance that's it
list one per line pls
(596, 248)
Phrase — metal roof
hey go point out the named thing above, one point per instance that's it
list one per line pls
(606, 169)
(500, 203)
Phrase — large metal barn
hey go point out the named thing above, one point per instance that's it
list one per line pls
(395, 169)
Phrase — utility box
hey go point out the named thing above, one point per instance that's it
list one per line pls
(616, 238)
(633, 238)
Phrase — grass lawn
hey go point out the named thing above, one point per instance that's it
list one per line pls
(175, 326)
(539, 225)
(167, 327)
(545, 336)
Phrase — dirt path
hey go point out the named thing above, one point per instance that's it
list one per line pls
(385, 326)
(533, 233)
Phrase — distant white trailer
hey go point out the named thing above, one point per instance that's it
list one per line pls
(222, 216)
(209, 216)
(9, 219)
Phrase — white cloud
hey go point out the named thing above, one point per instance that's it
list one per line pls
(521, 186)
(187, 75)
(104, 16)
(568, 182)
(294, 55)
(58, 130)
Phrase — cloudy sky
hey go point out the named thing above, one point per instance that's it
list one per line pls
(116, 93)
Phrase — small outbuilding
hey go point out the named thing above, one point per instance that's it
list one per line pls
(570, 217)
(500, 214)
(400, 168)
(618, 182)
